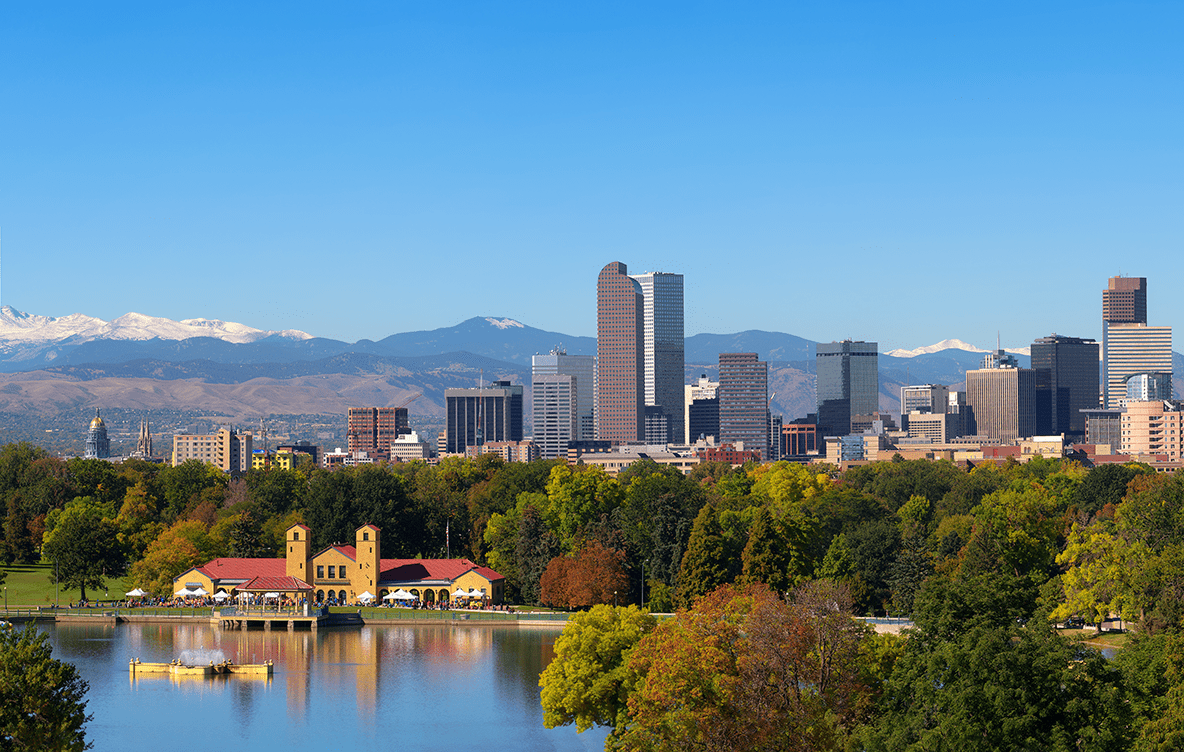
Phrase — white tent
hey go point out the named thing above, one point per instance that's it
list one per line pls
(184, 593)
(201, 591)
(271, 595)
(402, 595)
(366, 596)
(137, 593)
(475, 593)
(390, 596)
(460, 593)
(220, 595)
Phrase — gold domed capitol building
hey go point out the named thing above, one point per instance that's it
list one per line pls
(98, 446)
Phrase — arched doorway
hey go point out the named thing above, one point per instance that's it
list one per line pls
(320, 596)
(443, 596)
(429, 596)
(415, 592)
(341, 597)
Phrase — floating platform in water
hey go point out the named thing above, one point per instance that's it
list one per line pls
(176, 668)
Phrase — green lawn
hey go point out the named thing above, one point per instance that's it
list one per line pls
(30, 585)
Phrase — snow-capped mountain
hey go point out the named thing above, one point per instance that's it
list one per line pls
(25, 328)
(951, 344)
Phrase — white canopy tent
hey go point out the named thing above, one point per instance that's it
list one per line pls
(137, 593)
(201, 591)
(475, 593)
(184, 593)
(402, 595)
(460, 593)
(221, 595)
(366, 596)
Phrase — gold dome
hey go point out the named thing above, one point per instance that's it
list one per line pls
(97, 422)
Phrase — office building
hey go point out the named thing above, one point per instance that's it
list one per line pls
(662, 350)
(743, 400)
(1001, 403)
(228, 449)
(620, 363)
(700, 409)
(848, 384)
(1149, 386)
(773, 450)
(799, 437)
(477, 416)
(1124, 301)
(1066, 371)
(1103, 427)
(410, 447)
(561, 400)
(924, 398)
(1129, 345)
(372, 429)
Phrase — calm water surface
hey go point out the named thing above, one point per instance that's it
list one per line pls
(378, 687)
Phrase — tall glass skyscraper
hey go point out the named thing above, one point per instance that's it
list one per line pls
(848, 384)
(561, 395)
(663, 346)
(1066, 371)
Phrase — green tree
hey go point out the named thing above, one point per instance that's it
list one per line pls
(990, 687)
(84, 548)
(775, 552)
(588, 681)
(714, 553)
(42, 700)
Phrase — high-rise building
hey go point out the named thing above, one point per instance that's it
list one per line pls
(1152, 427)
(744, 401)
(1066, 371)
(1129, 345)
(1149, 386)
(477, 416)
(924, 398)
(1124, 301)
(620, 363)
(848, 384)
(1001, 403)
(663, 348)
(372, 429)
(1130, 349)
(98, 446)
(561, 398)
(700, 409)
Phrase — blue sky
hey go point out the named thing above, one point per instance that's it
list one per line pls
(897, 172)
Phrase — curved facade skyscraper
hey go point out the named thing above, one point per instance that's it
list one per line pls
(620, 376)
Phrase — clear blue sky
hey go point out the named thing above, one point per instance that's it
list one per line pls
(897, 172)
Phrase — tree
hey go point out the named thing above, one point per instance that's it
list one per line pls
(186, 544)
(745, 670)
(587, 683)
(594, 575)
(714, 552)
(775, 552)
(991, 687)
(42, 700)
(84, 548)
(535, 547)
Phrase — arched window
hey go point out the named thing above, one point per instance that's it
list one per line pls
(320, 596)
(443, 596)
(415, 593)
(429, 596)
(341, 597)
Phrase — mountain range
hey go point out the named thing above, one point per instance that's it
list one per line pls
(142, 362)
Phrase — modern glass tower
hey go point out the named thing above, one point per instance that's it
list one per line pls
(848, 384)
(561, 395)
(663, 346)
(1066, 371)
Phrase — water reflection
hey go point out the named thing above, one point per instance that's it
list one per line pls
(431, 687)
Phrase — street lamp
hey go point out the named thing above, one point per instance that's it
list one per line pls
(614, 599)
(6, 600)
(643, 582)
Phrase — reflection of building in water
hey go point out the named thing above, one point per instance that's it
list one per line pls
(342, 573)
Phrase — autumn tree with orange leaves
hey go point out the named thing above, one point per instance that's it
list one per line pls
(590, 577)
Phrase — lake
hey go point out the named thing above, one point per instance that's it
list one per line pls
(374, 687)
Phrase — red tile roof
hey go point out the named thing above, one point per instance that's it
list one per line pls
(410, 570)
(226, 568)
(278, 584)
(349, 551)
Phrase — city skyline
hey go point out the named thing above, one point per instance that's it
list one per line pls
(752, 149)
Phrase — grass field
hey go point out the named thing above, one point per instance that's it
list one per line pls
(30, 585)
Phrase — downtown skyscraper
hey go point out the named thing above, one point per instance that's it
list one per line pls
(744, 401)
(620, 362)
(1129, 346)
(848, 384)
(662, 348)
